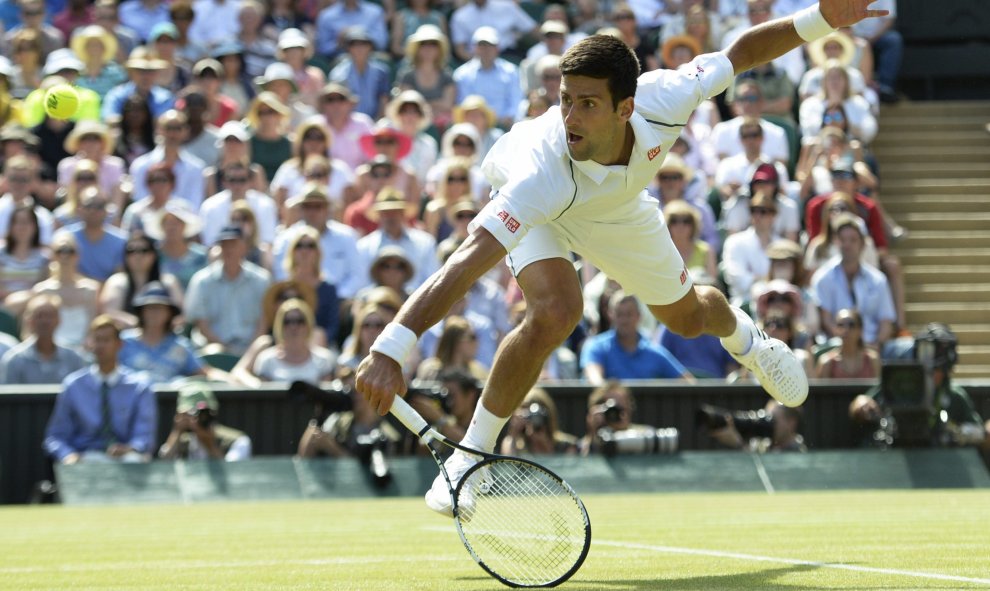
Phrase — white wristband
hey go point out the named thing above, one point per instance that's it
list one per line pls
(395, 341)
(810, 24)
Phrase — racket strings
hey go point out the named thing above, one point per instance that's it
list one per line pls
(521, 522)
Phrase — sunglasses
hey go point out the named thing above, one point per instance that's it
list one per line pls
(748, 98)
(465, 215)
(385, 141)
(317, 174)
(847, 324)
(761, 211)
(236, 179)
(667, 178)
(381, 175)
(464, 143)
(838, 209)
(307, 245)
(290, 320)
(138, 250)
(334, 98)
(266, 112)
(471, 336)
(833, 118)
(65, 251)
(154, 180)
(90, 137)
(751, 135)
(374, 325)
(778, 298)
(779, 324)
(681, 219)
(314, 137)
(32, 12)
(94, 205)
(85, 178)
(392, 266)
(457, 179)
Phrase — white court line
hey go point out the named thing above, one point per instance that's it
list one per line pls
(792, 561)
(762, 472)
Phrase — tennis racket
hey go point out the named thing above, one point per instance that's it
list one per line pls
(519, 521)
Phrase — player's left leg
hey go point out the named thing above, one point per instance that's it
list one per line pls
(704, 309)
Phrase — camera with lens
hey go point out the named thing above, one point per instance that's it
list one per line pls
(337, 398)
(537, 416)
(638, 441)
(204, 416)
(370, 450)
(612, 410)
(435, 391)
(749, 423)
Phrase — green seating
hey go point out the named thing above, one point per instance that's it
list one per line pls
(223, 361)
(9, 323)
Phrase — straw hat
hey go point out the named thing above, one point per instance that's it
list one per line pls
(87, 127)
(311, 193)
(427, 33)
(386, 128)
(674, 163)
(177, 208)
(475, 102)
(410, 97)
(141, 58)
(268, 99)
(84, 35)
(779, 287)
(390, 199)
(332, 88)
(816, 49)
(672, 43)
(391, 252)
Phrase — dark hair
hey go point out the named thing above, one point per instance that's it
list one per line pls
(154, 273)
(135, 102)
(161, 168)
(463, 379)
(35, 240)
(604, 57)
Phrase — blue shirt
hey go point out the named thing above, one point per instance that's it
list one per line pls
(498, 84)
(134, 15)
(75, 424)
(870, 295)
(704, 356)
(368, 86)
(335, 18)
(99, 260)
(172, 358)
(327, 310)
(647, 362)
(159, 101)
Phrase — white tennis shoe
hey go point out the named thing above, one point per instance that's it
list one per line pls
(777, 368)
(438, 497)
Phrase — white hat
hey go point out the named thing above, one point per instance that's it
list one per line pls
(234, 129)
(290, 38)
(485, 34)
(62, 59)
(180, 209)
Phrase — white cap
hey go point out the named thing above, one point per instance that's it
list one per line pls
(62, 59)
(234, 129)
(485, 34)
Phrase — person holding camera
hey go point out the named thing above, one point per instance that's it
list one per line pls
(197, 434)
(772, 428)
(533, 428)
(449, 408)
(950, 419)
(611, 430)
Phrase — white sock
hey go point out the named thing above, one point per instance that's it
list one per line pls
(740, 341)
(483, 430)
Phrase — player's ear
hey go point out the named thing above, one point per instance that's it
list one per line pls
(626, 108)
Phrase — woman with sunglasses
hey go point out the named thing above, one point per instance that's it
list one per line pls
(311, 146)
(456, 350)
(294, 356)
(460, 141)
(86, 174)
(684, 224)
(23, 261)
(303, 265)
(836, 105)
(267, 118)
(852, 358)
(135, 129)
(781, 325)
(160, 179)
(453, 187)
(141, 267)
(368, 324)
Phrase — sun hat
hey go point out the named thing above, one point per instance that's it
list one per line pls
(674, 163)
(391, 252)
(277, 71)
(178, 209)
(672, 43)
(428, 33)
(154, 292)
(816, 49)
(475, 102)
(485, 34)
(62, 59)
(778, 287)
(410, 97)
(385, 128)
(89, 127)
(84, 35)
(312, 192)
(141, 58)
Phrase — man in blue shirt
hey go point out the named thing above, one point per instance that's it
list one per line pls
(367, 78)
(622, 353)
(340, 16)
(490, 76)
(104, 412)
(101, 246)
(143, 70)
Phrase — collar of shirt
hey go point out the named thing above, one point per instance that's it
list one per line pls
(642, 134)
(113, 378)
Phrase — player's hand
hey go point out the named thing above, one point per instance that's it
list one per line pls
(379, 379)
(845, 13)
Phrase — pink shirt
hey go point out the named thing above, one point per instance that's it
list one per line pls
(347, 141)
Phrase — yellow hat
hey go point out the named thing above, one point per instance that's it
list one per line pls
(82, 36)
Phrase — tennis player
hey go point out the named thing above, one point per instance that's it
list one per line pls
(573, 180)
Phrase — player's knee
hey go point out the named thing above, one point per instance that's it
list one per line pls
(688, 325)
(555, 317)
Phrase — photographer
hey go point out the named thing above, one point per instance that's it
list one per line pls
(611, 430)
(450, 409)
(348, 433)
(533, 428)
(196, 433)
(772, 428)
(950, 411)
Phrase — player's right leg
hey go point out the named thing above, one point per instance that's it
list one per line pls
(553, 308)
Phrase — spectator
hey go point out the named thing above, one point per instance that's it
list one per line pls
(412, 116)
(672, 181)
(765, 179)
(451, 199)
(823, 247)
(759, 12)
(241, 215)
(695, 28)
(23, 262)
(182, 15)
(303, 266)
(142, 15)
(197, 433)
(104, 412)
(235, 82)
(202, 137)
(391, 209)
(286, 14)
(456, 351)
(474, 109)
(426, 71)
(386, 140)
(451, 415)
(141, 268)
(34, 20)
(267, 119)
(490, 76)
(280, 79)
(837, 46)
(611, 408)
(173, 130)
(163, 41)
(334, 20)
(553, 35)
(625, 23)
(142, 69)
(61, 67)
(340, 264)
(176, 228)
(368, 324)
(336, 104)
(406, 22)
(153, 348)
(777, 90)
(222, 298)
(214, 22)
(368, 79)
(234, 146)
(780, 296)
(312, 142)
(106, 14)
(846, 282)
(852, 358)
(97, 48)
(392, 269)
(623, 353)
(91, 140)
(684, 225)
(533, 428)
(86, 174)
(888, 48)
(509, 23)
(836, 106)
(26, 49)
(293, 356)
(20, 174)
(744, 258)
(735, 171)
(39, 359)
(101, 246)
(77, 293)
(295, 50)
(786, 263)
(780, 324)
(215, 211)
(209, 75)
(748, 103)
(784, 422)
(135, 128)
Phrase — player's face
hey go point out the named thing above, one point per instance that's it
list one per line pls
(596, 130)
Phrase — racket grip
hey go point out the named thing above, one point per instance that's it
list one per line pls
(408, 416)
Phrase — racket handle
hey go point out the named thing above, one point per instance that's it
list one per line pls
(409, 417)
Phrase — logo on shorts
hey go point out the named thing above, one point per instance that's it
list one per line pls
(510, 222)
(654, 151)
(684, 276)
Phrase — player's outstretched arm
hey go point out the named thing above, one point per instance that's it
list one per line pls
(379, 377)
(773, 39)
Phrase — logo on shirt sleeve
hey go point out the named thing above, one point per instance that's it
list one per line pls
(511, 223)
(684, 276)
(653, 152)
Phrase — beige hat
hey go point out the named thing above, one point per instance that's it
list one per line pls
(84, 35)
(674, 163)
(178, 208)
(816, 49)
(428, 33)
(475, 102)
(407, 97)
(268, 99)
(141, 58)
(312, 192)
(89, 127)
(672, 43)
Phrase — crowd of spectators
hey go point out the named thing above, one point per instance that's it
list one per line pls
(266, 182)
